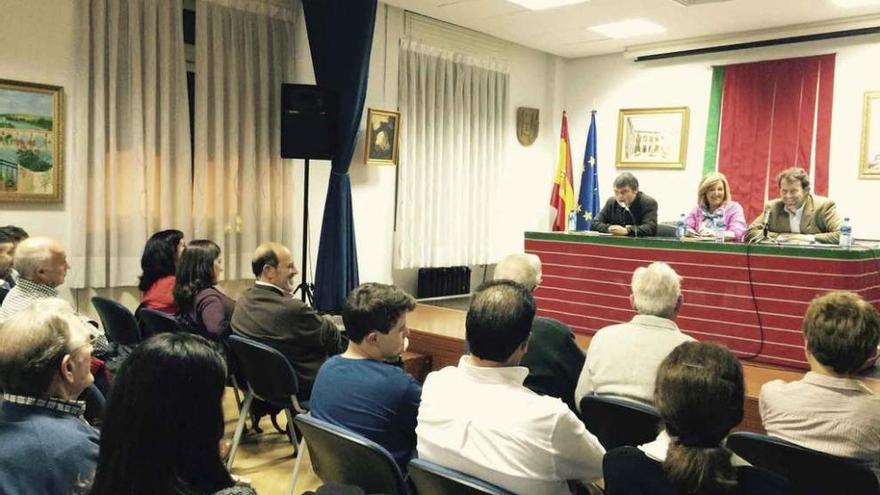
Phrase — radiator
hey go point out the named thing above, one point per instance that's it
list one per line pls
(448, 281)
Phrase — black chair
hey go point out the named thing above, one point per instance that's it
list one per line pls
(341, 456)
(153, 322)
(270, 378)
(667, 229)
(617, 422)
(119, 323)
(434, 479)
(810, 472)
(3, 292)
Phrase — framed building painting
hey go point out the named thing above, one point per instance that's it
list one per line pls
(383, 136)
(870, 162)
(31, 147)
(652, 137)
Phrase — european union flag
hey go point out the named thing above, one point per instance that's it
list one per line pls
(588, 199)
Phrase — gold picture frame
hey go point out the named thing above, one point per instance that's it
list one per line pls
(383, 137)
(652, 137)
(31, 142)
(869, 164)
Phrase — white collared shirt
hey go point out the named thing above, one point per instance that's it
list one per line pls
(484, 422)
(794, 218)
(622, 360)
(658, 448)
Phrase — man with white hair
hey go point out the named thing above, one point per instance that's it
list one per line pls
(42, 266)
(553, 358)
(622, 360)
(46, 446)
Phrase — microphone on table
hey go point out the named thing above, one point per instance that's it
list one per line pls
(766, 221)
(626, 209)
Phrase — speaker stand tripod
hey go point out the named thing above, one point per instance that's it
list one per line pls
(305, 289)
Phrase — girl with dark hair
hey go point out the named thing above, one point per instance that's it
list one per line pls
(202, 308)
(699, 395)
(159, 263)
(151, 443)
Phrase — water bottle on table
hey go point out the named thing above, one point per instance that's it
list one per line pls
(719, 229)
(572, 220)
(846, 236)
(681, 228)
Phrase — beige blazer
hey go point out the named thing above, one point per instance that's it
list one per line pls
(820, 219)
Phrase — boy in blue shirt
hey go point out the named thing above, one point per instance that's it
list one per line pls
(358, 390)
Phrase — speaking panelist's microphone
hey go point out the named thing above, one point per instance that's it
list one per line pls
(626, 209)
(766, 221)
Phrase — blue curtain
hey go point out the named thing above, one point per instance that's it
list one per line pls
(340, 38)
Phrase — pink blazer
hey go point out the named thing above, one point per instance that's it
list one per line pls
(734, 219)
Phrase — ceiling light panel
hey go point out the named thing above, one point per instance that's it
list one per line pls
(627, 29)
(545, 4)
(856, 3)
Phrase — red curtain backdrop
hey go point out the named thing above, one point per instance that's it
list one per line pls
(771, 112)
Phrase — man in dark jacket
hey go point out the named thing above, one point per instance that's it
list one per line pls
(267, 312)
(629, 212)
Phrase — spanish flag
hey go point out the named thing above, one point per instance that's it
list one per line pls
(562, 196)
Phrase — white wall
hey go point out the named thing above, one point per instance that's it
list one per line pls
(615, 83)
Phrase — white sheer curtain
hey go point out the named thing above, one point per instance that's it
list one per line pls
(131, 172)
(453, 111)
(243, 191)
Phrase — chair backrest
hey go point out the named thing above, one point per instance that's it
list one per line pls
(341, 456)
(119, 323)
(434, 479)
(617, 422)
(268, 373)
(810, 472)
(154, 321)
(3, 292)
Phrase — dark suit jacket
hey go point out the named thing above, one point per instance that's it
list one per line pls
(642, 221)
(292, 327)
(820, 219)
(554, 360)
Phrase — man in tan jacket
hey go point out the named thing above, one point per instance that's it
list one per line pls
(798, 215)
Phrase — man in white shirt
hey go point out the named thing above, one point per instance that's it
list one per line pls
(829, 409)
(478, 417)
(622, 360)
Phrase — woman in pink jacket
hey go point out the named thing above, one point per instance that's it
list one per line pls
(713, 202)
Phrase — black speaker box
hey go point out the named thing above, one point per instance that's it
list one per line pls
(308, 122)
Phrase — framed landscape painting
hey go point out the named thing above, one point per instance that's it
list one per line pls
(870, 163)
(652, 137)
(31, 130)
(383, 131)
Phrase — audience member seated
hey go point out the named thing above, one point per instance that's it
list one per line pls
(159, 262)
(622, 359)
(478, 417)
(46, 447)
(10, 237)
(829, 410)
(269, 313)
(358, 390)
(699, 396)
(42, 266)
(202, 308)
(554, 360)
(629, 212)
(798, 215)
(165, 439)
(713, 203)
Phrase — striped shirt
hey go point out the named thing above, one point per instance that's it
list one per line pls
(26, 291)
(838, 416)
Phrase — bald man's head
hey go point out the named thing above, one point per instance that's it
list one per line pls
(524, 269)
(41, 260)
(273, 264)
